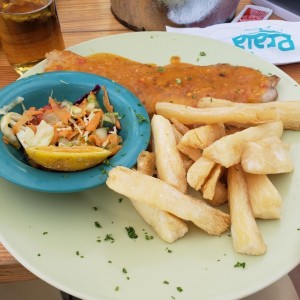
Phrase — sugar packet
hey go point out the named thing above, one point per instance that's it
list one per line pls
(273, 40)
(253, 13)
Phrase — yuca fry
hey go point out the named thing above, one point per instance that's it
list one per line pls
(199, 171)
(228, 150)
(265, 200)
(169, 163)
(157, 193)
(178, 135)
(202, 136)
(179, 126)
(220, 196)
(168, 227)
(146, 163)
(246, 236)
(209, 187)
(226, 115)
(289, 111)
(193, 153)
(187, 161)
(267, 156)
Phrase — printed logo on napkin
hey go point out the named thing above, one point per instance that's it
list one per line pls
(275, 41)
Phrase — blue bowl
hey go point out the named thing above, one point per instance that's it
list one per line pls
(36, 90)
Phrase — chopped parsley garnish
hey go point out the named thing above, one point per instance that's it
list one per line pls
(179, 289)
(117, 288)
(124, 270)
(39, 254)
(160, 69)
(109, 237)
(97, 224)
(131, 232)
(95, 208)
(202, 53)
(147, 236)
(103, 171)
(165, 282)
(298, 228)
(78, 254)
(107, 162)
(141, 118)
(120, 200)
(240, 265)
(109, 261)
(168, 250)
(45, 232)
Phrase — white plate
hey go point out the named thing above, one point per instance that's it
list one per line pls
(44, 231)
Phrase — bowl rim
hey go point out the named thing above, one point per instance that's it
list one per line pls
(16, 171)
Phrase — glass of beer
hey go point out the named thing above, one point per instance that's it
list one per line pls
(28, 30)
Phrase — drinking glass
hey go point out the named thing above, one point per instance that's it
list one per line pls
(28, 30)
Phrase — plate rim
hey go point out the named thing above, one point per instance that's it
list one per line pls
(288, 268)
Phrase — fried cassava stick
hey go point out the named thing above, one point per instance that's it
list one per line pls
(169, 163)
(155, 192)
(228, 150)
(246, 236)
(192, 115)
(289, 111)
(168, 227)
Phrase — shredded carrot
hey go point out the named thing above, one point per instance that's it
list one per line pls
(5, 140)
(82, 105)
(72, 134)
(118, 124)
(32, 112)
(113, 139)
(80, 122)
(53, 103)
(55, 137)
(64, 133)
(63, 115)
(32, 127)
(96, 140)
(109, 107)
(23, 120)
(115, 149)
(94, 121)
(106, 102)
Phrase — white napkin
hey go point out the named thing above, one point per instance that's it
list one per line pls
(275, 41)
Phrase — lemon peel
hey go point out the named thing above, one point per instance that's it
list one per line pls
(67, 159)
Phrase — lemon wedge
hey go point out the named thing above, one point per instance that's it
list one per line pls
(69, 159)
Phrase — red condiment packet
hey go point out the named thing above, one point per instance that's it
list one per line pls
(253, 13)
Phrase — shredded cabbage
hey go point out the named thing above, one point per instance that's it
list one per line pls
(43, 136)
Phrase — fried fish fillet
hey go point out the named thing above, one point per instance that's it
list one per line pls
(176, 82)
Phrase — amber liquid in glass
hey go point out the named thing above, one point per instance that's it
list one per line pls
(28, 30)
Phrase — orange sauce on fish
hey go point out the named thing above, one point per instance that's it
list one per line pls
(177, 82)
(180, 82)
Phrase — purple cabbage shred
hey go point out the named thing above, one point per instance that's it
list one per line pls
(95, 90)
